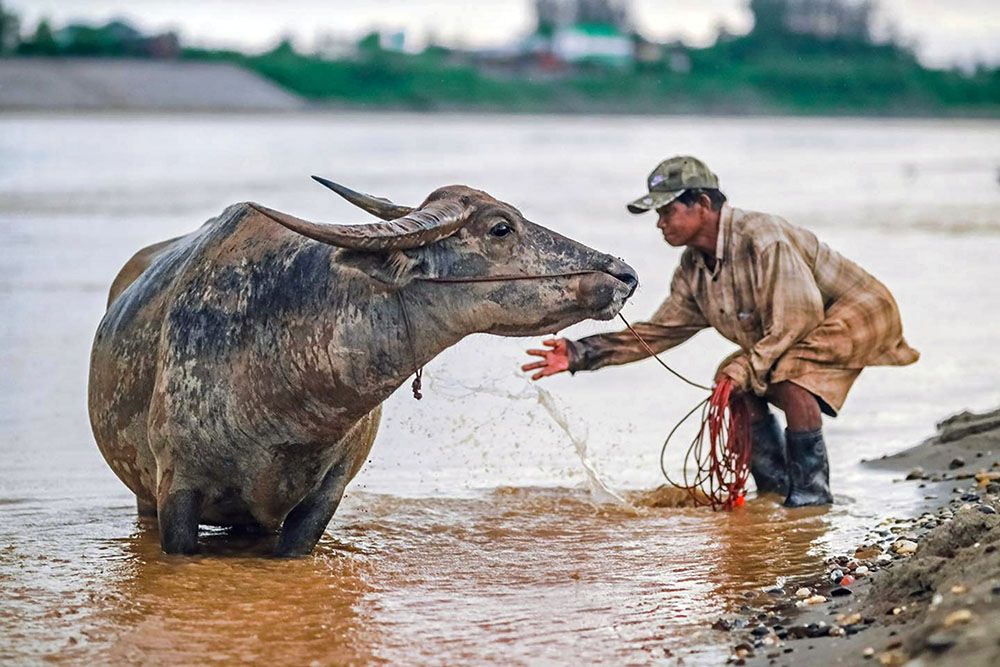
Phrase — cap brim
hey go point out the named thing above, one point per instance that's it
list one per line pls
(653, 200)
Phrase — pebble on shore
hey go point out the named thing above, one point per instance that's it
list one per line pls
(930, 582)
(900, 539)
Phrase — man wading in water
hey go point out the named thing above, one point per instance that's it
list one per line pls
(807, 320)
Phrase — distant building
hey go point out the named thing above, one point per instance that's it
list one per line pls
(554, 14)
(592, 43)
(578, 32)
(674, 55)
(826, 19)
(646, 51)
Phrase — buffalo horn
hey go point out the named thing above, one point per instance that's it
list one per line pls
(377, 206)
(418, 228)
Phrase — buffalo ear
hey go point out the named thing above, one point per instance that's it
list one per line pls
(394, 268)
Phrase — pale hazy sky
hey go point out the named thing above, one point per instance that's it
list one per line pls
(945, 31)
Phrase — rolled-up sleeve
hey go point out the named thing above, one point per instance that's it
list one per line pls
(677, 319)
(790, 306)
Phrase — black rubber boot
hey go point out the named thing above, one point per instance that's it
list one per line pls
(767, 456)
(808, 469)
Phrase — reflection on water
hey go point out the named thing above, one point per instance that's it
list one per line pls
(122, 601)
(227, 607)
(493, 523)
(515, 575)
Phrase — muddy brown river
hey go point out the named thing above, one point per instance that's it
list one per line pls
(489, 527)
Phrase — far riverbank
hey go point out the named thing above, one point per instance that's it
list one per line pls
(236, 83)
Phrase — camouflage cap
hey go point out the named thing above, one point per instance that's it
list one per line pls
(670, 179)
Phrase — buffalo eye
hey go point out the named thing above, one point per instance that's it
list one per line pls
(501, 229)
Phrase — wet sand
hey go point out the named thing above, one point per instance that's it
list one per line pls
(928, 591)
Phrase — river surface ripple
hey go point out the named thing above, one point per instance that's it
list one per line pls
(476, 534)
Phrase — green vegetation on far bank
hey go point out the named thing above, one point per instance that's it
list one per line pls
(385, 79)
(735, 76)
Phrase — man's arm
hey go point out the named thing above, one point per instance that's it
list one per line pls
(790, 306)
(676, 320)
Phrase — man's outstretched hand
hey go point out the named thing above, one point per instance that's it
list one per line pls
(555, 359)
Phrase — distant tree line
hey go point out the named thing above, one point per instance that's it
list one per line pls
(10, 31)
(113, 39)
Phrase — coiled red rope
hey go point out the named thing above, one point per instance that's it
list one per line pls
(719, 455)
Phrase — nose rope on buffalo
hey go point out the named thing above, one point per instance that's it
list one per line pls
(418, 371)
(720, 451)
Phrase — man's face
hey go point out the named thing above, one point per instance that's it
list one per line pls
(679, 223)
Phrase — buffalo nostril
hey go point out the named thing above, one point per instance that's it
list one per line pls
(628, 277)
(623, 272)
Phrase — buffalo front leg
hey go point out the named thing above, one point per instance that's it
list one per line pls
(305, 524)
(178, 511)
(145, 508)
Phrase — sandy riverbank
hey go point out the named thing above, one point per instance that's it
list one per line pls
(920, 591)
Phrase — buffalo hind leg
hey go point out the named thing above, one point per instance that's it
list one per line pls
(178, 513)
(305, 524)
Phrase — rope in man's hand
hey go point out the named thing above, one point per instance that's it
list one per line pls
(720, 452)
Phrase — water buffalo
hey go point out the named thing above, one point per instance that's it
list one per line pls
(238, 374)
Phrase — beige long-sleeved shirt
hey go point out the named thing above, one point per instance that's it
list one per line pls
(797, 309)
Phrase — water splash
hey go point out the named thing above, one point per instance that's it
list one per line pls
(600, 492)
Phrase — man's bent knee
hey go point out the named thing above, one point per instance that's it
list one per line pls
(802, 411)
